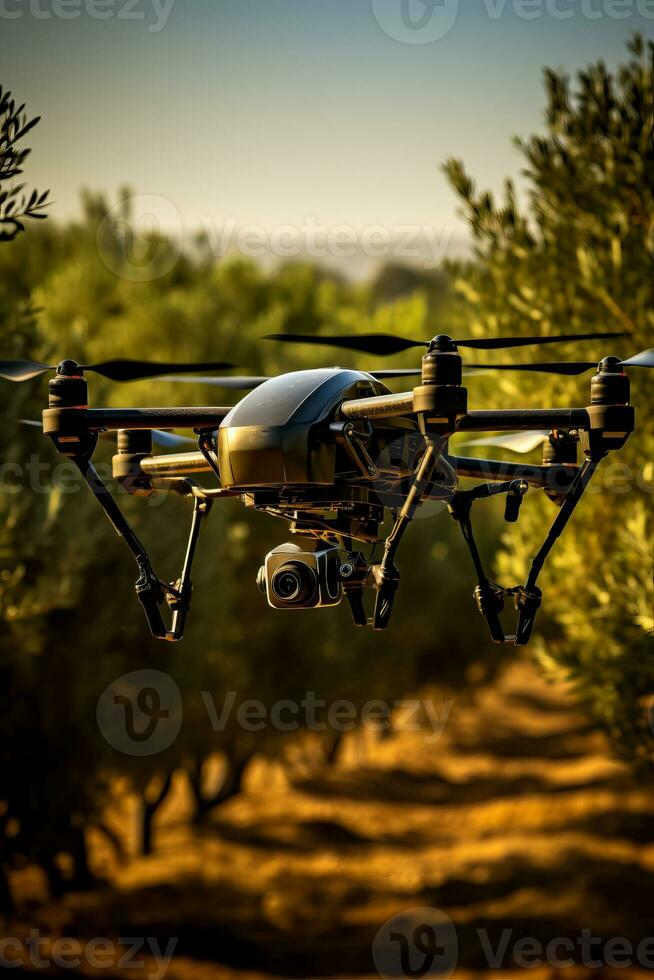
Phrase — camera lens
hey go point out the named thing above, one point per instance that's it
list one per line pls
(294, 583)
(288, 585)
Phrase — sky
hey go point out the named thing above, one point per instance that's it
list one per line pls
(282, 113)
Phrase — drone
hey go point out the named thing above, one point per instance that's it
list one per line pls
(346, 462)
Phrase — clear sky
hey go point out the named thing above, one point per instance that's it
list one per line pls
(274, 111)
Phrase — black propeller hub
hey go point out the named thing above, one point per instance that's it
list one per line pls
(69, 369)
(611, 385)
(442, 344)
(68, 388)
(442, 364)
(611, 365)
(441, 393)
(442, 368)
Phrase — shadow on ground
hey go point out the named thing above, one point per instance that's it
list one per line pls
(517, 824)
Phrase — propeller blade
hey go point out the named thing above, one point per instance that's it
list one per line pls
(171, 441)
(644, 359)
(128, 370)
(556, 367)
(22, 370)
(412, 373)
(498, 343)
(516, 442)
(245, 383)
(384, 344)
(409, 373)
(370, 343)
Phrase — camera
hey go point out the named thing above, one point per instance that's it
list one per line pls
(297, 578)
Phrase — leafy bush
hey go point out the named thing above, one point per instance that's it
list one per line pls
(578, 255)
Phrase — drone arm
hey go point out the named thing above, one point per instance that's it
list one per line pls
(495, 420)
(507, 420)
(152, 592)
(174, 465)
(556, 477)
(378, 406)
(102, 419)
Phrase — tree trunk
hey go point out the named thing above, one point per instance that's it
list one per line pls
(115, 840)
(333, 748)
(83, 878)
(231, 785)
(150, 807)
(57, 885)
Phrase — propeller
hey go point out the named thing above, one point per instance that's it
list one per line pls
(384, 344)
(412, 373)
(645, 360)
(168, 440)
(134, 370)
(516, 442)
(248, 383)
(117, 370)
(408, 373)
(245, 383)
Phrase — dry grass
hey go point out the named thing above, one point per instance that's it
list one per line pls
(517, 818)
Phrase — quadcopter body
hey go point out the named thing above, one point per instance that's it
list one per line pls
(346, 463)
(285, 447)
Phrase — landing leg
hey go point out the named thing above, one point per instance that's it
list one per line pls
(386, 574)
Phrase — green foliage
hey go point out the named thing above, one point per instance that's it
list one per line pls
(578, 254)
(14, 209)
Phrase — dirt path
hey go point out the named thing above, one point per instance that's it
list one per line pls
(515, 820)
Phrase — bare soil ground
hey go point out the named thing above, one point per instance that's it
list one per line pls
(516, 819)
